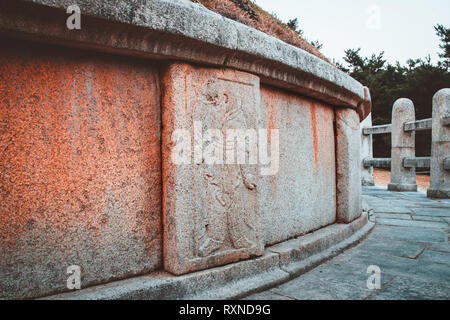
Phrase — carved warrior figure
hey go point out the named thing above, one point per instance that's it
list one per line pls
(226, 211)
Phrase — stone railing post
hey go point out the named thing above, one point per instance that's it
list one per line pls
(440, 147)
(366, 152)
(403, 145)
(348, 197)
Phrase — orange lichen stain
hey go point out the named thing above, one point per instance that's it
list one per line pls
(270, 120)
(70, 128)
(325, 136)
(271, 98)
(315, 135)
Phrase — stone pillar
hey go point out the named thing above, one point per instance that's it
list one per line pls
(440, 148)
(403, 145)
(366, 152)
(348, 145)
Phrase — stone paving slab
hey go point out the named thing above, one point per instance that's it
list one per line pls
(398, 248)
(437, 257)
(410, 245)
(435, 212)
(410, 234)
(400, 216)
(416, 224)
(392, 209)
(268, 295)
(428, 218)
(440, 247)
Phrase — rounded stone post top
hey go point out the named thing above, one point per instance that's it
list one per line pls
(403, 146)
(441, 109)
(442, 94)
(402, 112)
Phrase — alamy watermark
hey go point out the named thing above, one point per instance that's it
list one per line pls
(374, 280)
(229, 147)
(73, 22)
(74, 280)
(374, 17)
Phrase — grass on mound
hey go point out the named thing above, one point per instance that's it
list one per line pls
(248, 13)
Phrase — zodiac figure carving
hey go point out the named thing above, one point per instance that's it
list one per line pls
(226, 211)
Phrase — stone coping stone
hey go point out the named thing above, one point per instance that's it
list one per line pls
(280, 263)
(183, 30)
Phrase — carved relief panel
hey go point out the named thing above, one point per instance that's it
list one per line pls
(210, 195)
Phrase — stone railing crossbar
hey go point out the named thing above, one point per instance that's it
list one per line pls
(447, 164)
(419, 125)
(446, 121)
(383, 129)
(384, 163)
(419, 162)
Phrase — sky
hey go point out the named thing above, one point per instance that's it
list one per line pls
(403, 29)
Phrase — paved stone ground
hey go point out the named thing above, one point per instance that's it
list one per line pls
(410, 244)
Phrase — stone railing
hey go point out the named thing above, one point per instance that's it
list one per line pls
(403, 162)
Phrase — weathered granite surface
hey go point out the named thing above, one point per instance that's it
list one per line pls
(212, 213)
(80, 177)
(348, 162)
(301, 197)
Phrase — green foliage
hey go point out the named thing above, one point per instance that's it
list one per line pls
(419, 80)
(444, 34)
(317, 44)
(245, 6)
(293, 24)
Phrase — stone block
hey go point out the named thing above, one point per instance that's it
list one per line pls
(349, 190)
(301, 197)
(210, 198)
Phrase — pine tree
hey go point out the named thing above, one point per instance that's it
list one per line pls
(444, 34)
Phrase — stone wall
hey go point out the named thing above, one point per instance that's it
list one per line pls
(302, 196)
(80, 168)
(89, 124)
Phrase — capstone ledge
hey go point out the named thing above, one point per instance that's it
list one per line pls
(186, 31)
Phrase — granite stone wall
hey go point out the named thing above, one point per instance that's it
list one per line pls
(80, 168)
